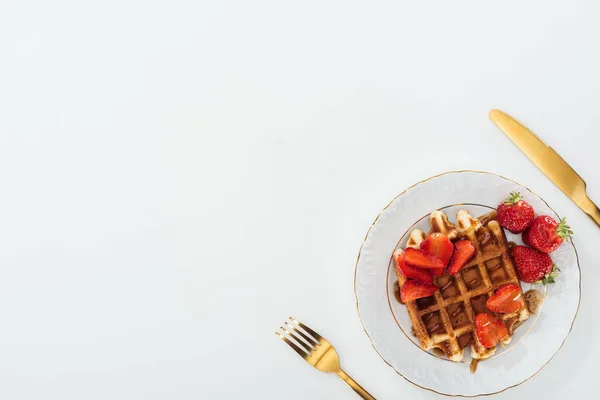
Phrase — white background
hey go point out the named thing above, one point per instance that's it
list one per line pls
(178, 177)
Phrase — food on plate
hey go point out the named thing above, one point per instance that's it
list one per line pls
(534, 299)
(418, 258)
(507, 299)
(490, 330)
(545, 234)
(533, 265)
(413, 290)
(463, 253)
(461, 284)
(515, 214)
(438, 245)
(445, 319)
(419, 274)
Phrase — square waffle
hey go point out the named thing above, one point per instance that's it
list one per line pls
(446, 320)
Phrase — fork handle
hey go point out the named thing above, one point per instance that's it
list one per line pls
(355, 386)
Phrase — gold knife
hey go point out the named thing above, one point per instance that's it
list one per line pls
(548, 161)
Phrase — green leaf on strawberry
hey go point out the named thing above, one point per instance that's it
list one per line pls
(513, 198)
(550, 277)
(563, 230)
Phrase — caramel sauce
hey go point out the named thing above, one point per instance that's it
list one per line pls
(471, 277)
(456, 310)
(495, 271)
(514, 326)
(470, 273)
(447, 285)
(457, 315)
(449, 291)
(478, 304)
(433, 323)
(511, 244)
(464, 340)
(397, 292)
(473, 282)
(533, 300)
(498, 276)
(438, 352)
(425, 302)
(511, 324)
(473, 366)
(492, 264)
(446, 347)
(491, 216)
(484, 237)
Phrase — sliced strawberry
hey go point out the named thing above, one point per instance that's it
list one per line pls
(412, 290)
(438, 244)
(409, 271)
(489, 330)
(463, 252)
(419, 258)
(507, 299)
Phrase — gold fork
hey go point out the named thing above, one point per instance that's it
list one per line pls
(318, 352)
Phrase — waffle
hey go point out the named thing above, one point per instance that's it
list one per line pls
(446, 320)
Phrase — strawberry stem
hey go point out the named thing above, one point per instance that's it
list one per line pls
(563, 230)
(551, 277)
(513, 198)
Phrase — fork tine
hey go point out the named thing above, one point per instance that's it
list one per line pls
(296, 340)
(307, 329)
(310, 341)
(294, 346)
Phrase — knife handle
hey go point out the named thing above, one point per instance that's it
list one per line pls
(595, 215)
(592, 210)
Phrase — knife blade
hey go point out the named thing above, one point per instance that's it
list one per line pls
(548, 161)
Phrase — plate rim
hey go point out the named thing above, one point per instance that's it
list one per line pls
(356, 296)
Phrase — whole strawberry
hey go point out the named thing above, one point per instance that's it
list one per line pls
(533, 266)
(545, 234)
(515, 214)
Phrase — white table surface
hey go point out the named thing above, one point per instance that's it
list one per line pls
(178, 177)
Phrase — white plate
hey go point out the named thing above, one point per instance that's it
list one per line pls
(386, 321)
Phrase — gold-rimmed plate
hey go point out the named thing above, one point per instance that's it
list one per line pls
(386, 321)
